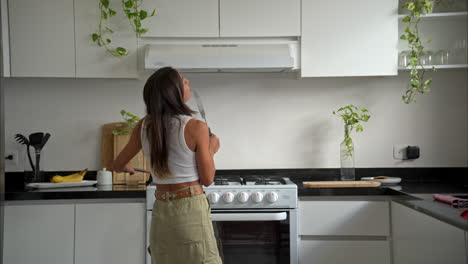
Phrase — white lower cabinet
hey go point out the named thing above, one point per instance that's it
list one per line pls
(345, 231)
(344, 252)
(111, 233)
(75, 232)
(422, 239)
(39, 234)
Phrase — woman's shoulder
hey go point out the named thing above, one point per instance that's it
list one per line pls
(195, 126)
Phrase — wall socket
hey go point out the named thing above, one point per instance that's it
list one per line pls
(399, 152)
(13, 161)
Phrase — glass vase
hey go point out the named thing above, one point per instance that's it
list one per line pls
(347, 171)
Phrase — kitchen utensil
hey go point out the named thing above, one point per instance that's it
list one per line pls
(35, 140)
(383, 179)
(201, 109)
(44, 185)
(44, 140)
(104, 177)
(142, 170)
(24, 141)
(340, 184)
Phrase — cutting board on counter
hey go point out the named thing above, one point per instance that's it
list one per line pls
(111, 145)
(340, 184)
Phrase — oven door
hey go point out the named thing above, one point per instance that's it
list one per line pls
(253, 237)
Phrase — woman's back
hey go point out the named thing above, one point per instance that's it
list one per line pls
(181, 161)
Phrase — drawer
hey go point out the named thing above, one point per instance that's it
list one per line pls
(344, 218)
(344, 252)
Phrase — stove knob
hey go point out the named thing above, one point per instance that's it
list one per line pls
(213, 197)
(272, 197)
(228, 197)
(257, 197)
(243, 197)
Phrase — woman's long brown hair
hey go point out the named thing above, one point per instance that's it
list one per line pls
(164, 98)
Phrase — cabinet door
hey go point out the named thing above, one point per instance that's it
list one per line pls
(349, 38)
(182, 18)
(110, 233)
(39, 234)
(42, 41)
(344, 218)
(421, 239)
(93, 61)
(344, 252)
(260, 18)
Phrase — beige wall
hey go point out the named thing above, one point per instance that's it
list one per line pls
(263, 120)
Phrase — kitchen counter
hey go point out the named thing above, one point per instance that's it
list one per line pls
(406, 194)
(97, 192)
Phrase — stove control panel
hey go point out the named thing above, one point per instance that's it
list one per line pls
(224, 198)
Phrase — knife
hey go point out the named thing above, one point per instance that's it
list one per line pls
(141, 170)
(201, 109)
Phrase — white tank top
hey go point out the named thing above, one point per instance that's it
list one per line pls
(181, 160)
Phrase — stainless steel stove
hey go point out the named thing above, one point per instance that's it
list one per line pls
(254, 218)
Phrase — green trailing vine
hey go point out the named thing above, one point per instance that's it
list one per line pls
(352, 117)
(134, 13)
(99, 37)
(130, 122)
(418, 82)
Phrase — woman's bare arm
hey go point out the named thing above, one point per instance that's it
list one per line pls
(122, 162)
(206, 147)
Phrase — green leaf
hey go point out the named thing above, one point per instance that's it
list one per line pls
(428, 82)
(137, 23)
(105, 3)
(142, 31)
(112, 13)
(403, 37)
(121, 51)
(129, 4)
(108, 41)
(95, 37)
(406, 19)
(103, 14)
(153, 13)
(143, 14)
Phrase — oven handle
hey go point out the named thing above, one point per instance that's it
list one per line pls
(220, 217)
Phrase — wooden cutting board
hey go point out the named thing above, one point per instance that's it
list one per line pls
(340, 184)
(111, 145)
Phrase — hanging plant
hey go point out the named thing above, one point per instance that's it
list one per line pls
(127, 127)
(132, 8)
(418, 82)
(99, 37)
(352, 117)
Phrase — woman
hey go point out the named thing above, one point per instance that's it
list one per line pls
(180, 150)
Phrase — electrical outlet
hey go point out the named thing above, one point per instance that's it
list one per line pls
(399, 152)
(12, 159)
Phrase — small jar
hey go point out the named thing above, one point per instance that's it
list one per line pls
(104, 177)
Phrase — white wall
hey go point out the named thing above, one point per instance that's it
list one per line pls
(263, 120)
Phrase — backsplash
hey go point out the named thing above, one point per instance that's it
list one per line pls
(263, 120)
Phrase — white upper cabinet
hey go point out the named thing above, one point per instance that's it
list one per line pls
(93, 61)
(42, 38)
(349, 38)
(182, 18)
(260, 18)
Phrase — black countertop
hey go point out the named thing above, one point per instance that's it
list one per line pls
(96, 192)
(404, 193)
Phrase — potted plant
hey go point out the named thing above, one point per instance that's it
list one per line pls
(352, 117)
(126, 127)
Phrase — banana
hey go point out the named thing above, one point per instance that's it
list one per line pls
(75, 177)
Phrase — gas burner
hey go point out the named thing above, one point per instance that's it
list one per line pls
(228, 180)
(265, 180)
